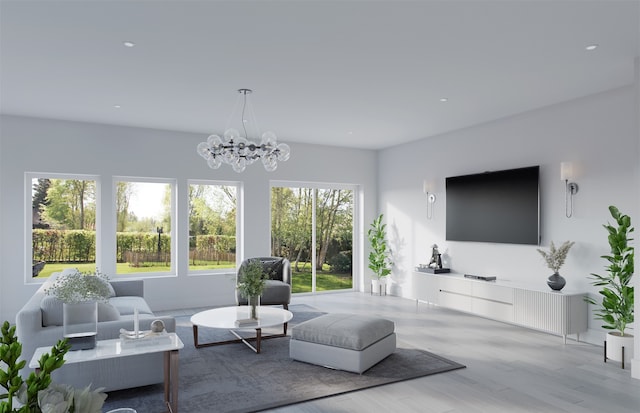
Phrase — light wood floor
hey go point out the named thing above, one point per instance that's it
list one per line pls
(509, 369)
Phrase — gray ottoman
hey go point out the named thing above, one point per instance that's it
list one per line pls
(343, 341)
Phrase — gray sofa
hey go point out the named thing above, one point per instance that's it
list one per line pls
(39, 323)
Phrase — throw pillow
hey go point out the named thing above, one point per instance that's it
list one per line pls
(107, 312)
(51, 311)
(112, 292)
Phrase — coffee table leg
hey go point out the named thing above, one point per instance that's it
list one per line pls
(258, 337)
(195, 336)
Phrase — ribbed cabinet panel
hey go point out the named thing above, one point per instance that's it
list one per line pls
(553, 312)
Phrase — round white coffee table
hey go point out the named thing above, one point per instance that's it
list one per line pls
(237, 318)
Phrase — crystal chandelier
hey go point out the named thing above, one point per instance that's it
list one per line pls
(238, 151)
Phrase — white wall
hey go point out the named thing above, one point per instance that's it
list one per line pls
(40, 145)
(635, 363)
(597, 133)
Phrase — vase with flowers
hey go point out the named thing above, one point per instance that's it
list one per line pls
(80, 293)
(555, 258)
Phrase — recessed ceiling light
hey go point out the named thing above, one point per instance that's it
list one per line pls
(350, 132)
(117, 106)
(444, 99)
(591, 47)
(128, 44)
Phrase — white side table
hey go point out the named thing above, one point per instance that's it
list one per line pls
(107, 349)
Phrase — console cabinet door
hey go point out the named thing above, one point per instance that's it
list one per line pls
(425, 287)
(455, 293)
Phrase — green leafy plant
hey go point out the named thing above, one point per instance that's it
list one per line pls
(251, 279)
(77, 287)
(616, 307)
(38, 394)
(556, 256)
(379, 257)
(25, 390)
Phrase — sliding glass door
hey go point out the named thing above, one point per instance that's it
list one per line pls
(313, 228)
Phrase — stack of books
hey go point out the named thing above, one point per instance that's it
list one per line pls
(246, 322)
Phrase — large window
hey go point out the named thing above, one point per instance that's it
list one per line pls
(212, 226)
(313, 228)
(144, 222)
(63, 223)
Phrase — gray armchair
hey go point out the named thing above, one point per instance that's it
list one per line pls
(278, 285)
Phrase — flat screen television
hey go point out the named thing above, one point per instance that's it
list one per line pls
(500, 206)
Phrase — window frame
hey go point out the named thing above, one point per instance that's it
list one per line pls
(172, 182)
(28, 217)
(239, 240)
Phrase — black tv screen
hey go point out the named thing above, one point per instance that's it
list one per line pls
(501, 206)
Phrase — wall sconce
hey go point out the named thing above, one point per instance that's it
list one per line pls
(431, 198)
(571, 188)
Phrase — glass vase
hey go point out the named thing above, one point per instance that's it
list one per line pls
(254, 304)
(80, 324)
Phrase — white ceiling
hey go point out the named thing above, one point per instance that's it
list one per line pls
(349, 73)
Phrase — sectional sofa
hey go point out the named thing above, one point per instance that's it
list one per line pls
(39, 323)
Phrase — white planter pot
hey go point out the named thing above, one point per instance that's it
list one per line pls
(615, 342)
(379, 286)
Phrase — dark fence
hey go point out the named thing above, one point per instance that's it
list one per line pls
(52, 245)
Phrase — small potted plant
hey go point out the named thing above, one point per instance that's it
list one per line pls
(616, 307)
(379, 256)
(251, 283)
(555, 259)
(80, 293)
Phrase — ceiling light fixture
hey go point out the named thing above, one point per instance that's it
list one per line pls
(591, 47)
(128, 44)
(444, 99)
(237, 150)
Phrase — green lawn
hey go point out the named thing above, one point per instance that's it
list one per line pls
(325, 280)
(124, 268)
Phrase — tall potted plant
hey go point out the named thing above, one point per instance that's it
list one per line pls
(379, 256)
(616, 308)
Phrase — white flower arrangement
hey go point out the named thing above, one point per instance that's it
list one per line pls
(556, 256)
(77, 287)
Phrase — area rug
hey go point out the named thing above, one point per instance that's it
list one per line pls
(232, 379)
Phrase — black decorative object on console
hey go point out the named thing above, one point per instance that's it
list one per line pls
(556, 282)
(480, 277)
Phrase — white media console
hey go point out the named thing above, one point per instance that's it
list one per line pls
(556, 312)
